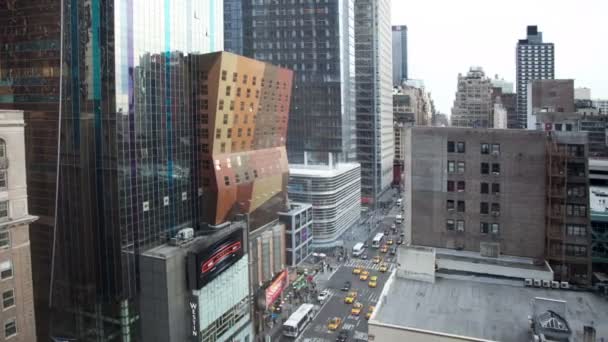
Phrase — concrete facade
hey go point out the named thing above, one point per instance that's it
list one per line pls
(548, 96)
(298, 232)
(17, 322)
(488, 197)
(473, 104)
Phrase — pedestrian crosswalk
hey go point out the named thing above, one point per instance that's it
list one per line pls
(367, 264)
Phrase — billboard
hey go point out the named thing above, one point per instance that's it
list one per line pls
(208, 263)
(274, 290)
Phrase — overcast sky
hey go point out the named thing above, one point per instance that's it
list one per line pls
(446, 37)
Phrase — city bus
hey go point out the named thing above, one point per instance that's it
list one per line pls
(358, 249)
(298, 320)
(377, 240)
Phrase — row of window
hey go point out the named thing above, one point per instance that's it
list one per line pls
(459, 167)
(146, 204)
(485, 227)
(245, 79)
(238, 92)
(460, 147)
(485, 208)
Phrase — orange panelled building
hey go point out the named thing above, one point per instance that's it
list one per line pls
(241, 111)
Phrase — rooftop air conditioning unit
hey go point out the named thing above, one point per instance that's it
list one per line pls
(555, 284)
(564, 285)
(537, 283)
(528, 282)
(546, 283)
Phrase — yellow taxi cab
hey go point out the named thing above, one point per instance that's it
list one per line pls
(376, 259)
(384, 249)
(350, 298)
(369, 313)
(383, 267)
(356, 270)
(390, 242)
(364, 275)
(356, 310)
(334, 323)
(373, 282)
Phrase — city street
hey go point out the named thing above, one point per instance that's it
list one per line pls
(334, 306)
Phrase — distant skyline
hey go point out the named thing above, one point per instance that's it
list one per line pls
(448, 37)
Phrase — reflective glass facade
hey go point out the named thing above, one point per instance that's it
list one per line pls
(233, 26)
(316, 40)
(399, 36)
(375, 139)
(127, 132)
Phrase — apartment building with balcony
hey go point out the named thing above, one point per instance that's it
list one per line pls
(17, 321)
(475, 190)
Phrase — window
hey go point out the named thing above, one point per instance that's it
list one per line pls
(3, 210)
(485, 188)
(576, 230)
(244, 79)
(450, 205)
(485, 148)
(227, 90)
(495, 228)
(576, 250)
(221, 105)
(495, 188)
(577, 210)
(255, 173)
(8, 299)
(495, 168)
(234, 76)
(495, 209)
(449, 225)
(225, 120)
(451, 166)
(484, 227)
(5, 238)
(229, 133)
(484, 208)
(485, 168)
(451, 147)
(218, 133)
(460, 167)
(223, 147)
(237, 178)
(3, 182)
(461, 206)
(224, 74)
(226, 180)
(460, 186)
(460, 147)
(460, 226)
(451, 186)
(6, 270)
(239, 132)
(495, 149)
(238, 91)
(10, 328)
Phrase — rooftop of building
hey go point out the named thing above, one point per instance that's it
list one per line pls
(504, 260)
(321, 171)
(490, 311)
(500, 131)
(296, 207)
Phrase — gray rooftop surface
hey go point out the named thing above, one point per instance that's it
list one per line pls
(486, 311)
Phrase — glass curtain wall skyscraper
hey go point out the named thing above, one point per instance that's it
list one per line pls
(117, 82)
(535, 61)
(399, 54)
(233, 26)
(375, 139)
(316, 40)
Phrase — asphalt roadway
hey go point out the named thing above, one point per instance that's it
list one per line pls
(334, 306)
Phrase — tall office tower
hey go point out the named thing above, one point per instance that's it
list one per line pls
(375, 141)
(473, 105)
(399, 54)
(316, 40)
(233, 26)
(119, 96)
(535, 61)
(17, 322)
(242, 113)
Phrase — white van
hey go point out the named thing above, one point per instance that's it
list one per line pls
(399, 219)
(399, 202)
(358, 249)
